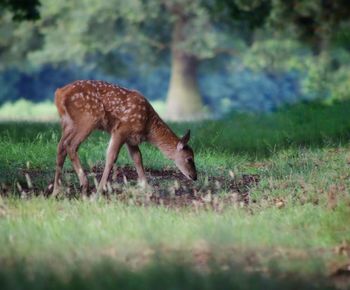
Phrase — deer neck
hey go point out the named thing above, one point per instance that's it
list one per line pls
(161, 136)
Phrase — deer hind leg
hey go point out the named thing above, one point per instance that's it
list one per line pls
(72, 148)
(67, 134)
(135, 154)
(115, 143)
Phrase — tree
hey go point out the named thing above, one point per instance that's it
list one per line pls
(315, 21)
(105, 33)
(100, 33)
(19, 36)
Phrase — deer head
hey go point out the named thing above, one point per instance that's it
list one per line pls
(184, 158)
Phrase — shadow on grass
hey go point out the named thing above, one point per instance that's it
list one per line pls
(107, 275)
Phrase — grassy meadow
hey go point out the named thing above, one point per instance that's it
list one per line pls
(291, 229)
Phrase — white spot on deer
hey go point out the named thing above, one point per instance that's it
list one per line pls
(81, 173)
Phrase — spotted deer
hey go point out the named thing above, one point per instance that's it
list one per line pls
(130, 119)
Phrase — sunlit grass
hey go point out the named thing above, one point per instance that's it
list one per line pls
(27, 110)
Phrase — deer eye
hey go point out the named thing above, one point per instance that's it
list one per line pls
(189, 160)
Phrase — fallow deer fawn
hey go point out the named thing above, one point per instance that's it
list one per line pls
(88, 105)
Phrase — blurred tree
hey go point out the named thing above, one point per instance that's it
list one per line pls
(109, 34)
(21, 9)
(315, 20)
(17, 39)
(317, 23)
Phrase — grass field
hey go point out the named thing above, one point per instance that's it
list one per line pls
(270, 210)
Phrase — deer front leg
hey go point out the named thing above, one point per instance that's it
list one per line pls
(113, 149)
(135, 154)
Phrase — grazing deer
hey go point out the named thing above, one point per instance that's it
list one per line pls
(88, 105)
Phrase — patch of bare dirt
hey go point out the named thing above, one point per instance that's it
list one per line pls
(168, 187)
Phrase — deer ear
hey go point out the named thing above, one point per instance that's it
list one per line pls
(184, 140)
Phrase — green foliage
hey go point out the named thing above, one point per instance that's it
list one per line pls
(22, 10)
(340, 84)
(101, 34)
(16, 40)
(325, 76)
(137, 28)
(252, 13)
(270, 54)
(314, 20)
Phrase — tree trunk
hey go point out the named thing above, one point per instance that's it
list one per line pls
(184, 101)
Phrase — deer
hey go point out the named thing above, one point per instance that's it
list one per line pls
(88, 105)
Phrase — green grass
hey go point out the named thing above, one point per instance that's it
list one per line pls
(164, 275)
(33, 227)
(284, 238)
(77, 239)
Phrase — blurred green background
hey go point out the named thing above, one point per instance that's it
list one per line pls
(270, 208)
(193, 59)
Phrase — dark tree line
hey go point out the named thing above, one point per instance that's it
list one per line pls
(22, 9)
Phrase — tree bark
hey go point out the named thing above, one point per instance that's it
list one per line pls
(184, 101)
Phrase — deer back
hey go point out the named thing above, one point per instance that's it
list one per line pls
(108, 106)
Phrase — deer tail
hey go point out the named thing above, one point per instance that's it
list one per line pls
(60, 99)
